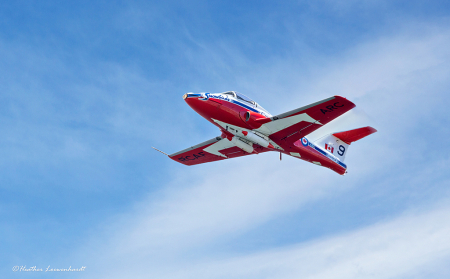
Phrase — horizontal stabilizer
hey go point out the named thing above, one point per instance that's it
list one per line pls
(338, 143)
(353, 135)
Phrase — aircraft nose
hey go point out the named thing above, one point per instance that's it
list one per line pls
(191, 95)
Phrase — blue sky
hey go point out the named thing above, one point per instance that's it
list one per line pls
(86, 88)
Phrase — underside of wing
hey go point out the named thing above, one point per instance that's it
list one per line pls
(212, 150)
(290, 126)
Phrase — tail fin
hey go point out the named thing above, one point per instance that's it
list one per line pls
(337, 143)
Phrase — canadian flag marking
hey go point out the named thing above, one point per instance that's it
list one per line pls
(329, 147)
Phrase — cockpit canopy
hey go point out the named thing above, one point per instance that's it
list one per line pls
(240, 96)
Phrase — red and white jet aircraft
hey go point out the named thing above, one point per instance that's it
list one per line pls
(247, 129)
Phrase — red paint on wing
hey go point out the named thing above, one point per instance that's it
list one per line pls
(323, 113)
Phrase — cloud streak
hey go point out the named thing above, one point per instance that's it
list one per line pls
(185, 226)
(91, 132)
(400, 247)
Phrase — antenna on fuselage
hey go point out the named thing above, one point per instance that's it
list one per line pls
(280, 156)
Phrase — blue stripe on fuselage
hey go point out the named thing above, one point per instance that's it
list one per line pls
(207, 96)
(191, 95)
(326, 154)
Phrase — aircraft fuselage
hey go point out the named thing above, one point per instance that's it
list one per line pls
(237, 117)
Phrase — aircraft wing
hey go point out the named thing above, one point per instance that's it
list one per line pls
(288, 127)
(212, 150)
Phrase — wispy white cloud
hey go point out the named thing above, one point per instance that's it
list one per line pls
(396, 248)
(176, 234)
(185, 225)
(180, 228)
